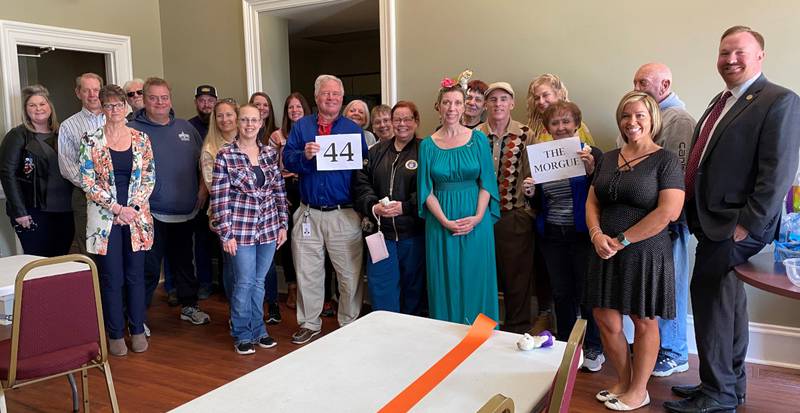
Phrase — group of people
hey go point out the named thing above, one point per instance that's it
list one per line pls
(458, 213)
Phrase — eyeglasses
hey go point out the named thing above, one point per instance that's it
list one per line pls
(133, 93)
(330, 94)
(402, 120)
(113, 106)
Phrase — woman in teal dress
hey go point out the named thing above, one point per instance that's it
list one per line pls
(458, 199)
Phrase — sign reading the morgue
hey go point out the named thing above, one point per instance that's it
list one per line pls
(339, 152)
(556, 159)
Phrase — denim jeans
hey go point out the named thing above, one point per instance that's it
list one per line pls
(673, 332)
(227, 274)
(397, 283)
(250, 264)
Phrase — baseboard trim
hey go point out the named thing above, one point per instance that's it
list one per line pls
(770, 344)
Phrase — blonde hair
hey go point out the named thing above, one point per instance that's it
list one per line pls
(649, 103)
(214, 139)
(366, 111)
(535, 122)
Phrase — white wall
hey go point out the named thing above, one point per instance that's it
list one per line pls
(274, 39)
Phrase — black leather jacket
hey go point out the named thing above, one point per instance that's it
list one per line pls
(23, 170)
(392, 174)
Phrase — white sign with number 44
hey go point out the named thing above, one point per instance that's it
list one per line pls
(339, 152)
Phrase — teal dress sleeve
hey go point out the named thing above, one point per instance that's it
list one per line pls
(487, 178)
(424, 180)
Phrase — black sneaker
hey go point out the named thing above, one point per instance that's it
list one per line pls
(267, 342)
(244, 348)
(274, 313)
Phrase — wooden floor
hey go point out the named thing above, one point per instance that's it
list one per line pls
(186, 361)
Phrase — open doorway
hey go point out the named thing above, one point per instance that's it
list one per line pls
(345, 38)
(344, 43)
(56, 69)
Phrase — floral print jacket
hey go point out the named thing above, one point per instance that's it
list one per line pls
(97, 180)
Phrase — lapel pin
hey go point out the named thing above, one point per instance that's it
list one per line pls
(749, 97)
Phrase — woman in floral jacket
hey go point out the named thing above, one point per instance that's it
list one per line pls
(118, 175)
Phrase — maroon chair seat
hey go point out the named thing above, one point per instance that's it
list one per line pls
(47, 364)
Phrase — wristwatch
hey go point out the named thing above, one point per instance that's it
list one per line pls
(622, 240)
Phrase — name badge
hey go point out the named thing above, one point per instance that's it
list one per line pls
(306, 230)
(339, 152)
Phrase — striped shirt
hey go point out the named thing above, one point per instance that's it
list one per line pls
(559, 198)
(69, 141)
(241, 209)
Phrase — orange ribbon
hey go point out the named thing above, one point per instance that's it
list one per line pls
(479, 332)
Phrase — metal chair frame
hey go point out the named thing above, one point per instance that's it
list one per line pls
(100, 362)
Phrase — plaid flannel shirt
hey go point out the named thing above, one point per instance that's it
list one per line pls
(241, 210)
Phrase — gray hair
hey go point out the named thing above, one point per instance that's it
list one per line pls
(130, 82)
(326, 78)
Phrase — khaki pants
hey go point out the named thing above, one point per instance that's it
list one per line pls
(338, 232)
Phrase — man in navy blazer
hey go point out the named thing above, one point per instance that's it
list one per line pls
(743, 159)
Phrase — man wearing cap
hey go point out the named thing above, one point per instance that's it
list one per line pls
(514, 231)
(205, 97)
(133, 89)
(325, 219)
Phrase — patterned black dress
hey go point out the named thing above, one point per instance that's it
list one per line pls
(639, 279)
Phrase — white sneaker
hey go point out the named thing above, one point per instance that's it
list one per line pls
(593, 360)
(146, 330)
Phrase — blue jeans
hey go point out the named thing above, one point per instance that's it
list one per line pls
(673, 332)
(227, 274)
(122, 273)
(250, 264)
(397, 283)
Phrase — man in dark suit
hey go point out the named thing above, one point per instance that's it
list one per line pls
(743, 159)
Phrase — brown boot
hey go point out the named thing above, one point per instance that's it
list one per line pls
(291, 296)
(117, 347)
(139, 343)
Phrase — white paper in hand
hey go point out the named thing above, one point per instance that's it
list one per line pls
(339, 152)
(554, 160)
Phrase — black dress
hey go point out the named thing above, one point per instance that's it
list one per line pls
(639, 279)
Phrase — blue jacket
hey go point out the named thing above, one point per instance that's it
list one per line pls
(319, 187)
(176, 151)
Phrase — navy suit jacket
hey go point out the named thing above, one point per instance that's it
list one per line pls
(750, 162)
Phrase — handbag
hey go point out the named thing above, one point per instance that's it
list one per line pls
(376, 244)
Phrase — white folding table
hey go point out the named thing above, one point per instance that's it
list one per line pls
(9, 268)
(359, 368)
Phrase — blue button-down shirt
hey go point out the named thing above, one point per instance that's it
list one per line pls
(319, 188)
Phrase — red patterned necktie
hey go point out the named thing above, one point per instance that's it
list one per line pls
(700, 143)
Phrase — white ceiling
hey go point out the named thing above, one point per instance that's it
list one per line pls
(339, 16)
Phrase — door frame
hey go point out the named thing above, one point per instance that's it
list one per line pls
(252, 44)
(116, 48)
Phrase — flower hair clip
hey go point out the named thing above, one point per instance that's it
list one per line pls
(447, 83)
(461, 80)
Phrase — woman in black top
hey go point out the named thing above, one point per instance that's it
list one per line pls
(397, 282)
(38, 197)
(637, 190)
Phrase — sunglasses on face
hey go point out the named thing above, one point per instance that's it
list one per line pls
(133, 93)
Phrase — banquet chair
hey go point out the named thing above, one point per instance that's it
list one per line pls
(498, 404)
(564, 382)
(57, 329)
